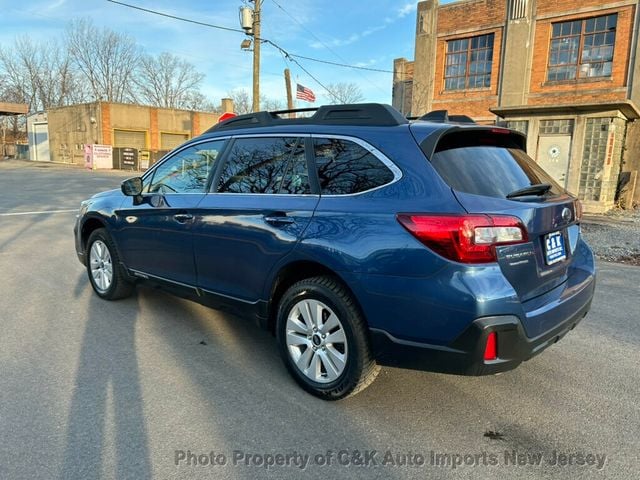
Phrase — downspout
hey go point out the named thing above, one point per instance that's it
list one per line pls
(632, 59)
(503, 50)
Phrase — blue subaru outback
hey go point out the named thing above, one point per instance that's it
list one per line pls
(358, 238)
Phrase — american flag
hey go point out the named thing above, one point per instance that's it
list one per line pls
(304, 93)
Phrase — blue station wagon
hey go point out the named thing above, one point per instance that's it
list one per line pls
(358, 238)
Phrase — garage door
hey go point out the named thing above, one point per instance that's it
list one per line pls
(129, 138)
(169, 141)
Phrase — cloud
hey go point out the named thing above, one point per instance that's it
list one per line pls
(406, 9)
(54, 5)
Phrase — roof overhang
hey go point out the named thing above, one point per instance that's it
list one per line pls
(13, 108)
(627, 108)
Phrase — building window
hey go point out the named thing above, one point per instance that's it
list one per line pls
(521, 126)
(468, 63)
(582, 48)
(556, 127)
(595, 151)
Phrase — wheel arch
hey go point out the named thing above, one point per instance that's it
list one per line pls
(294, 272)
(88, 227)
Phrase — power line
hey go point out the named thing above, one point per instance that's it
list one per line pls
(175, 17)
(237, 30)
(307, 30)
(327, 47)
(288, 56)
(370, 69)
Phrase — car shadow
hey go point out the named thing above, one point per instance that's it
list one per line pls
(107, 385)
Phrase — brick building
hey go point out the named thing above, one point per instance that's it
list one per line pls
(565, 73)
(151, 130)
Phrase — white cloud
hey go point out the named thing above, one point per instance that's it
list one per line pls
(406, 9)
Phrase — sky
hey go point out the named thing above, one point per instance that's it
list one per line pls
(363, 33)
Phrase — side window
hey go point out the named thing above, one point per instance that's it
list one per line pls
(186, 171)
(344, 167)
(265, 165)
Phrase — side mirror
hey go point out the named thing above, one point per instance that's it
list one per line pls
(132, 187)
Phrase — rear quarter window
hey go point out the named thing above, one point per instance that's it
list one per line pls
(345, 167)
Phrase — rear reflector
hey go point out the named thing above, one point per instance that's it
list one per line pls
(577, 207)
(465, 238)
(491, 349)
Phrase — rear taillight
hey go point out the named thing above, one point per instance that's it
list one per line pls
(465, 238)
(491, 347)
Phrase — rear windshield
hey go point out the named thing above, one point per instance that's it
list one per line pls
(490, 171)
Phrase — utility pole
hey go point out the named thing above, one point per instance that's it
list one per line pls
(256, 55)
(287, 81)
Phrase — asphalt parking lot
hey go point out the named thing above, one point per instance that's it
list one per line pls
(150, 386)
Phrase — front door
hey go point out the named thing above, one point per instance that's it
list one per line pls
(41, 140)
(155, 234)
(553, 156)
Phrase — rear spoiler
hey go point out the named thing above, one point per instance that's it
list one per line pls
(467, 136)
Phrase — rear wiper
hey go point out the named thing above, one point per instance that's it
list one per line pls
(538, 189)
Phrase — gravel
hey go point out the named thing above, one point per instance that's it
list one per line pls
(615, 236)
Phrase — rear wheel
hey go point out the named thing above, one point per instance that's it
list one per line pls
(323, 339)
(106, 274)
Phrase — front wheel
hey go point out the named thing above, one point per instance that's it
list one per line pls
(323, 339)
(106, 274)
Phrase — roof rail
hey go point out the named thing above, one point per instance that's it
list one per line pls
(361, 114)
(442, 116)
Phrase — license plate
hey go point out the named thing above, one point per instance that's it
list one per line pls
(554, 248)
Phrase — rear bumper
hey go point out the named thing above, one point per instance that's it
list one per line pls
(464, 356)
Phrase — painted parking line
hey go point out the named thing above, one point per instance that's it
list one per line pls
(39, 212)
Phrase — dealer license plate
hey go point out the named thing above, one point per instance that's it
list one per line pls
(554, 250)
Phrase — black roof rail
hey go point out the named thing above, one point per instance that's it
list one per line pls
(296, 110)
(360, 114)
(442, 116)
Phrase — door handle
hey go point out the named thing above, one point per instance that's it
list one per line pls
(183, 217)
(278, 219)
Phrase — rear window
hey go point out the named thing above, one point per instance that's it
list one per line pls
(491, 171)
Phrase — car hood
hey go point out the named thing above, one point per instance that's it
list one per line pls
(108, 193)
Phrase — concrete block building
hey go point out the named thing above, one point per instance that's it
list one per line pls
(153, 131)
(565, 73)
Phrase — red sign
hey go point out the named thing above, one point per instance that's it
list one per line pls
(226, 116)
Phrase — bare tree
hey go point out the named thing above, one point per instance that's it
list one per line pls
(271, 104)
(241, 100)
(107, 60)
(344, 92)
(197, 100)
(166, 81)
(40, 75)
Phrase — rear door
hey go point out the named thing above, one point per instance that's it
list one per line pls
(260, 205)
(486, 166)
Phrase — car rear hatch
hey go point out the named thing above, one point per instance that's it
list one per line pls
(490, 174)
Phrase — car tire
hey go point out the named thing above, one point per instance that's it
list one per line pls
(107, 276)
(333, 361)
